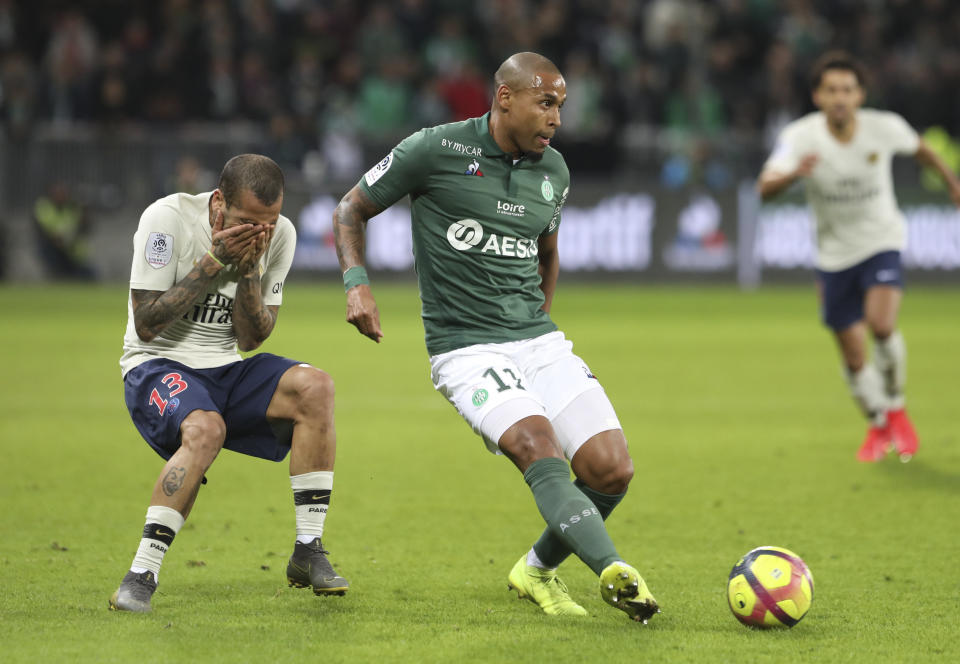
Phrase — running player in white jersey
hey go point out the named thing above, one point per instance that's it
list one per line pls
(207, 278)
(843, 154)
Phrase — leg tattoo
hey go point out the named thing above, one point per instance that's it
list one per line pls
(173, 480)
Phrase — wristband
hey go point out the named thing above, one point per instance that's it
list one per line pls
(216, 260)
(355, 276)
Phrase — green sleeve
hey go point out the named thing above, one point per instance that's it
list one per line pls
(554, 224)
(402, 172)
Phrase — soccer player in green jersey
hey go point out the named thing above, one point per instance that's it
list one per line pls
(486, 197)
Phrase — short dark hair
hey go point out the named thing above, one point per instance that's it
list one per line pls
(836, 60)
(251, 172)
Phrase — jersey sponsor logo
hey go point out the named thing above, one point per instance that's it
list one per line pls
(472, 150)
(474, 169)
(511, 209)
(514, 247)
(845, 191)
(379, 170)
(468, 233)
(159, 250)
(464, 234)
(215, 308)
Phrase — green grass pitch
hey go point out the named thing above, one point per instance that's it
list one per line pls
(740, 425)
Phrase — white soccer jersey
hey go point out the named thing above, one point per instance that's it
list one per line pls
(851, 187)
(173, 235)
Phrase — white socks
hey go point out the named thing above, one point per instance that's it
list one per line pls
(890, 357)
(311, 495)
(534, 560)
(866, 385)
(878, 386)
(162, 526)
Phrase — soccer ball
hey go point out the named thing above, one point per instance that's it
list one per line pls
(770, 587)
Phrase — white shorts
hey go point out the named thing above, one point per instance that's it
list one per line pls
(493, 386)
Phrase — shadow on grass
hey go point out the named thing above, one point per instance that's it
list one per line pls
(922, 474)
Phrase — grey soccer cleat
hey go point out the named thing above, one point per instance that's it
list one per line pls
(134, 592)
(309, 566)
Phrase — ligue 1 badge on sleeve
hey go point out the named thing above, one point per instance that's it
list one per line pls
(159, 250)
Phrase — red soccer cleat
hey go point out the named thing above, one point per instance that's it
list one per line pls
(876, 444)
(903, 433)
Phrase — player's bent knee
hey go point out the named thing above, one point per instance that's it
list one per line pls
(528, 440)
(618, 479)
(312, 389)
(604, 464)
(203, 434)
(611, 478)
(315, 392)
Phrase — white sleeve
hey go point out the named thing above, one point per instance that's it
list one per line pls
(903, 139)
(785, 156)
(156, 247)
(280, 257)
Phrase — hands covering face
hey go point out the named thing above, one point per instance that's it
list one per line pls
(242, 245)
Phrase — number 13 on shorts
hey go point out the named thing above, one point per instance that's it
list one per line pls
(176, 385)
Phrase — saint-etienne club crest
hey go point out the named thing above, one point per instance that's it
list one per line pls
(546, 189)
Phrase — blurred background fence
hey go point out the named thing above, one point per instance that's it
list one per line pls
(671, 110)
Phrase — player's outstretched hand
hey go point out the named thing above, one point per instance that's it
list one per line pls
(362, 312)
(230, 244)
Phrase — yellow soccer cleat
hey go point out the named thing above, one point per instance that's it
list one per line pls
(543, 588)
(621, 586)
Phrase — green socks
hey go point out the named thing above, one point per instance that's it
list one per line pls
(571, 516)
(552, 550)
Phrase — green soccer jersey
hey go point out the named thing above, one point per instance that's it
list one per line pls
(477, 217)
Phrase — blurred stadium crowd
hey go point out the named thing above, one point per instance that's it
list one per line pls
(325, 75)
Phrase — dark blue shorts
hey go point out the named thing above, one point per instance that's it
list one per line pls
(842, 293)
(161, 393)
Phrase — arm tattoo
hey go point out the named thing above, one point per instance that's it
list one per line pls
(252, 320)
(350, 224)
(153, 311)
(173, 480)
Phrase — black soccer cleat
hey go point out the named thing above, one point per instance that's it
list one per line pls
(309, 567)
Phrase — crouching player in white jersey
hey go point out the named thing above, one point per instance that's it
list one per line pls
(207, 278)
(844, 153)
